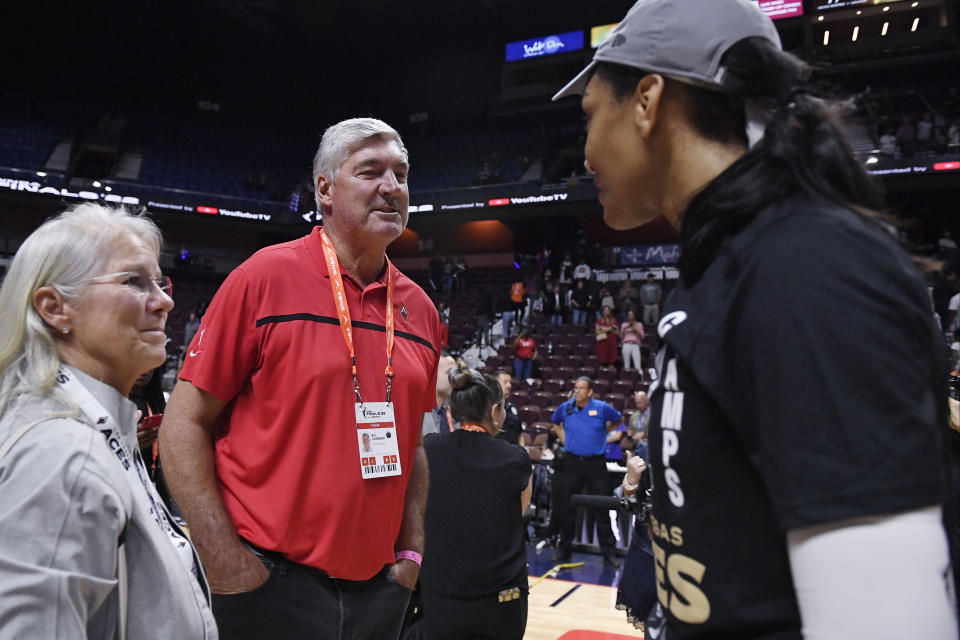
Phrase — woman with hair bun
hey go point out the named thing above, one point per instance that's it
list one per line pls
(474, 575)
(797, 419)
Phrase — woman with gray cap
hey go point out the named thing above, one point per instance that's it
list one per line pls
(795, 440)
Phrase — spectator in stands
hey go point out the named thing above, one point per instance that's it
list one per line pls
(953, 134)
(615, 440)
(448, 275)
(953, 306)
(543, 261)
(474, 577)
(508, 308)
(189, 330)
(650, 296)
(460, 275)
(582, 424)
(82, 530)
(524, 353)
(628, 298)
(582, 271)
(444, 312)
(925, 132)
(555, 305)
(147, 395)
(581, 302)
(947, 248)
(907, 137)
(606, 335)
(566, 270)
(777, 240)
(512, 426)
(545, 286)
(260, 426)
(439, 421)
(606, 300)
(631, 335)
(637, 427)
(485, 314)
(888, 144)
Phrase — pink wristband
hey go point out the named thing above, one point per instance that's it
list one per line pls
(406, 554)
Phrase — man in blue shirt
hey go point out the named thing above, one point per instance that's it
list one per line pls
(582, 424)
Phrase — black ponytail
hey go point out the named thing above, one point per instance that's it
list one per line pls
(473, 394)
(803, 149)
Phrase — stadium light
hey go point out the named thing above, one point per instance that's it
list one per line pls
(886, 25)
(856, 32)
(916, 22)
(826, 37)
(108, 188)
(42, 174)
(872, 160)
(96, 183)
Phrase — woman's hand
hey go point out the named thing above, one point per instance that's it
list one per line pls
(635, 468)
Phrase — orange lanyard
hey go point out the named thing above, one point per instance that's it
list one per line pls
(343, 310)
(470, 426)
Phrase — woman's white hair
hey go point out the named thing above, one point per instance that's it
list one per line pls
(65, 253)
(342, 138)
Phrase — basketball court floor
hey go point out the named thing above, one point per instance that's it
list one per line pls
(576, 604)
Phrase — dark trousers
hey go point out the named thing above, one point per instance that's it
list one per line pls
(301, 603)
(487, 619)
(582, 475)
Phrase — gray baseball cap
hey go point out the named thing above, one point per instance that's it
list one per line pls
(681, 39)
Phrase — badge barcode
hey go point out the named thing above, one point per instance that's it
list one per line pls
(379, 468)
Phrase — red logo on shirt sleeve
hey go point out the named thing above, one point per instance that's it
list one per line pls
(393, 458)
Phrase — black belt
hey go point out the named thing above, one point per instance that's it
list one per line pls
(275, 560)
(599, 456)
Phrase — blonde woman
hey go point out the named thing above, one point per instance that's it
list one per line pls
(87, 548)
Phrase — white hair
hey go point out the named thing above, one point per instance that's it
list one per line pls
(340, 139)
(65, 253)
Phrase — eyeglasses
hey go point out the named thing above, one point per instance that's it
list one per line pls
(139, 282)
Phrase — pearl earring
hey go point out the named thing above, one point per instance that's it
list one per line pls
(64, 331)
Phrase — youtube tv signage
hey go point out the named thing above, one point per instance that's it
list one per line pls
(824, 5)
(777, 9)
(544, 46)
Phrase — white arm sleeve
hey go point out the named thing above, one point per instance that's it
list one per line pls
(880, 578)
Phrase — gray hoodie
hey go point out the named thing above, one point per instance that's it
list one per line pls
(64, 504)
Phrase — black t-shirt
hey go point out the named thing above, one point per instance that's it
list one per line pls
(473, 525)
(512, 426)
(801, 382)
(582, 296)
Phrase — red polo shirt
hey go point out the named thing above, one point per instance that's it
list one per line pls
(286, 450)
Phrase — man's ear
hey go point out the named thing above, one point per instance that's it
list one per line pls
(646, 103)
(324, 191)
(52, 308)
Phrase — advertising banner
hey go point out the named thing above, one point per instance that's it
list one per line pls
(544, 46)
